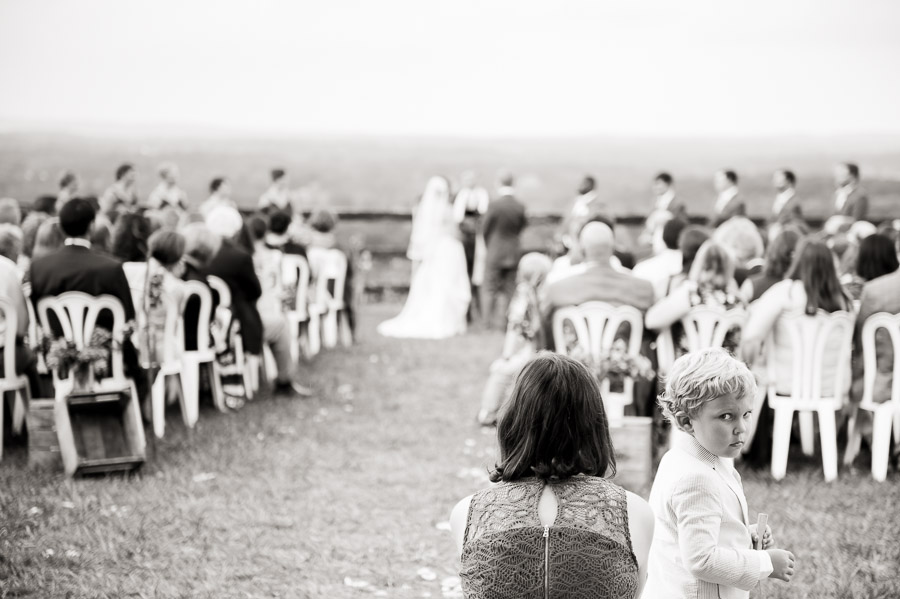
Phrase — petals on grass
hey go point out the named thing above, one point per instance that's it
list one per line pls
(356, 584)
(426, 574)
(442, 526)
(204, 477)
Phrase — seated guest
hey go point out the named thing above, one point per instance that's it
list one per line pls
(703, 543)
(48, 238)
(11, 290)
(741, 237)
(597, 280)
(234, 265)
(553, 511)
(121, 196)
(322, 237)
(10, 212)
(219, 195)
(43, 205)
(277, 196)
(525, 335)
(710, 282)
(200, 246)
(278, 235)
(68, 189)
(572, 262)
(659, 268)
(689, 243)
(167, 193)
(779, 256)
(165, 269)
(130, 240)
(876, 257)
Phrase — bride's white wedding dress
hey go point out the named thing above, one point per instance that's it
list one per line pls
(439, 292)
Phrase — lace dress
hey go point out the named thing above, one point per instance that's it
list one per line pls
(586, 553)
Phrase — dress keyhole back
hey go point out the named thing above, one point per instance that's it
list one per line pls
(548, 506)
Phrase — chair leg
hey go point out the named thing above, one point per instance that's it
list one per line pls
(2, 418)
(781, 441)
(882, 422)
(190, 392)
(344, 328)
(329, 329)
(854, 439)
(20, 403)
(313, 334)
(758, 402)
(158, 405)
(897, 425)
(807, 433)
(828, 438)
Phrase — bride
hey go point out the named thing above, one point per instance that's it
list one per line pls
(439, 291)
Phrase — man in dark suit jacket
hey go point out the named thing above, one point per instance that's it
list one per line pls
(503, 225)
(728, 203)
(850, 199)
(786, 207)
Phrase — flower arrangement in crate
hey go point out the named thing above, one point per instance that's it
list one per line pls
(82, 364)
(616, 365)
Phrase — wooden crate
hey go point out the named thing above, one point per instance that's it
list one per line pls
(43, 443)
(632, 441)
(100, 432)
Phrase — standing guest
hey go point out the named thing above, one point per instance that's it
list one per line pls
(167, 193)
(11, 290)
(658, 269)
(121, 195)
(219, 196)
(786, 207)
(277, 196)
(469, 208)
(665, 207)
(728, 202)
(703, 539)
(851, 203)
(200, 246)
(741, 237)
(525, 335)
(779, 257)
(503, 225)
(69, 185)
(553, 522)
(10, 212)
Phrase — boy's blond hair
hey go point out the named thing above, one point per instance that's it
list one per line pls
(701, 376)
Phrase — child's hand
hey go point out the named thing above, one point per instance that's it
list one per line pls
(767, 541)
(782, 564)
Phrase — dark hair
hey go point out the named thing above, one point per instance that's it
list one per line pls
(45, 204)
(215, 184)
(877, 257)
(689, 243)
(123, 170)
(672, 232)
(731, 176)
(587, 184)
(322, 221)
(243, 239)
(277, 174)
(853, 169)
(66, 179)
(279, 221)
(76, 216)
(664, 177)
(100, 237)
(130, 237)
(167, 247)
(780, 254)
(507, 179)
(814, 267)
(789, 176)
(554, 425)
(257, 227)
(30, 227)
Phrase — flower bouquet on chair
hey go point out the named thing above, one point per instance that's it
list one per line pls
(82, 365)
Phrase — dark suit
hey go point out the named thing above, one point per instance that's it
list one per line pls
(503, 225)
(878, 295)
(856, 206)
(790, 212)
(235, 266)
(192, 307)
(734, 207)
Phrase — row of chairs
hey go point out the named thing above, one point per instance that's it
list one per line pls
(596, 325)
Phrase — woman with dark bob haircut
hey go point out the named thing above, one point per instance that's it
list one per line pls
(553, 526)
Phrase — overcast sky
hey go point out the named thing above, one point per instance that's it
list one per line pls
(460, 67)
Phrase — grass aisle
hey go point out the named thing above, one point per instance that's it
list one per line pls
(344, 495)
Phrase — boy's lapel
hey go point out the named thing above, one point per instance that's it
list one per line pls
(732, 479)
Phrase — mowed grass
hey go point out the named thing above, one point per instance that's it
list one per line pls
(347, 494)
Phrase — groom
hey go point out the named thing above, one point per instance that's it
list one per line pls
(503, 225)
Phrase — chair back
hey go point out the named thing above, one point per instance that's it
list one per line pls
(295, 274)
(11, 323)
(704, 326)
(891, 324)
(204, 296)
(329, 266)
(809, 338)
(77, 314)
(173, 331)
(269, 265)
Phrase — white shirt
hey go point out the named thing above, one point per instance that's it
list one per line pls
(581, 207)
(724, 197)
(782, 199)
(665, 200)
(841, 195)
(162, 194)
(470, 198)
(77, 241)
(275, 196)
(659, 269)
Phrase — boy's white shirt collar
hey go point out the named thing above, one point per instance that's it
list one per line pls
(689, 444)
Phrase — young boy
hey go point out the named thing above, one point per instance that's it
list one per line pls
(702, 543)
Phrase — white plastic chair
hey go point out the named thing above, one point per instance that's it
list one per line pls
(228, 337)
(204, 354)
(885, 415)
(596, 325)
(295, 274)
(809, 338)
(10, 381)
(327, 311)
(77, 314)
(34, 333)
(170, 364)
(704, 326)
